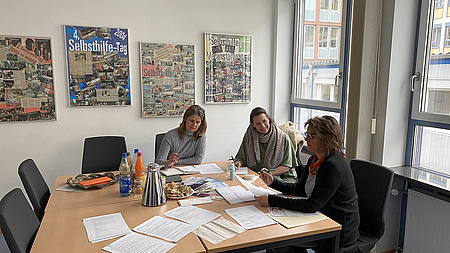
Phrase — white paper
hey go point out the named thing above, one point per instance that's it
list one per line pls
(167, 229)
(249, 217)
(257, 191)
(171, 172)
(235, 194)
(188, 170)
(209, 168)
(218, 230)
(281, 212)
(242, 171)
(194, 201)
(192, 215)
(105, 227)
(136, 243)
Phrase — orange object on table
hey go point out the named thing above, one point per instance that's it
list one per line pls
(100, 180)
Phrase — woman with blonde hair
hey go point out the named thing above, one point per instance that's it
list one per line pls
(326, 184)
(185, 144)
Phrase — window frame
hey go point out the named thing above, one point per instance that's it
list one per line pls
(421, 66)
(340, 106)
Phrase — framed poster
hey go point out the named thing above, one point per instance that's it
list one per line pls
(98, 66)
(227, 68)
(168, 78)
(26, 79)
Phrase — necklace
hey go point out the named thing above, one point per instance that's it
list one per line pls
(315, 164)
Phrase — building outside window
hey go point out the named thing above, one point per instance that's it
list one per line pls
(319, 72)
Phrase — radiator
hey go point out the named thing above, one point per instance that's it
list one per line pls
(427, 226)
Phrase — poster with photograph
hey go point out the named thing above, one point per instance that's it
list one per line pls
(98, 66)
(168, 79)
(227, 68)
(26, 79)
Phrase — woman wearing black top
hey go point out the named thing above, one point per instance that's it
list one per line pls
(326, 183)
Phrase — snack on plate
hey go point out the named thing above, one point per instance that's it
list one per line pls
(177, 190)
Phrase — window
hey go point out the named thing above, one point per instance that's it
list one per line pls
(439, 4)
(428, 142)
(319, 79)
(330, 11)
(310, 10)
(447, 35)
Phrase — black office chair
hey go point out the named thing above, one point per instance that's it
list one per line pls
(35, 186)
(373, 185)
(102, 153)
(18, 222)
(158, 140)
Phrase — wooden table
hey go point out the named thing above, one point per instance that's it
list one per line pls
(62, 229)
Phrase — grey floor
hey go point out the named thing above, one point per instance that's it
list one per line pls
(3, 246)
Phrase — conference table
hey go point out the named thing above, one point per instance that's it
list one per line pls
(62, 229)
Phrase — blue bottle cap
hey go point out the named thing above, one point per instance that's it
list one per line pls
(124, 155)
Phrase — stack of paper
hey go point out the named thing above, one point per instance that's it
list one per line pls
(192, 215)
(169, 230)
(291, 219)
(105, 227)
(139, 243)
(209, 168)
(249, 217)
(235, 194)
(218, 230)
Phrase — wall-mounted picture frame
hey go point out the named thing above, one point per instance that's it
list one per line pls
(228, 59)
(98, 66)
(26, 79)
(167, 78)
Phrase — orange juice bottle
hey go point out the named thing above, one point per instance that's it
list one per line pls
(139, 167)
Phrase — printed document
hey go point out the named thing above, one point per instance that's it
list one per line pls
(167, 229)
(194, 201)
(192, 215)
(249, 217)
(136, 243)
(218, 230)
(209, 168)
(235, 194)
(242, 171)
(105, 227)
(257, 191)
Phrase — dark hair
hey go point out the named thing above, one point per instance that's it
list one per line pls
(193, 110)
(329, 131)
(257, 111)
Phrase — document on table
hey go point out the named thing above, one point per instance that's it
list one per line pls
(192, 215)
(167, 229)
(105, 227)
(209, 168)
(194, 201)
(249, 217)
(242, 171)
(281, 212)
(137, 243)
(235, 194)
(218, 230)
(257, 191)
(188, 170)
(295, 221)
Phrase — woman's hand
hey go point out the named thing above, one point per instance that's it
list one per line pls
(238, 164)
(266, 177)
(263, 200)
(173, 159)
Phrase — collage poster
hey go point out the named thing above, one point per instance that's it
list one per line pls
(98, 66)
(227, 68)
(26, 79)
(168, 79)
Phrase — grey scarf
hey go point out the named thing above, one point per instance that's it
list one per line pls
(275, 148)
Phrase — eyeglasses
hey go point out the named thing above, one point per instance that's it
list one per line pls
(309, 135)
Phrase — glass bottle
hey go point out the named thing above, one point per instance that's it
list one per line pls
(132, 170)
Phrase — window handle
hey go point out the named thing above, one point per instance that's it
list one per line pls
(416, 76)
(336, 79)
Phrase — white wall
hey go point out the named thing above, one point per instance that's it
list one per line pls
(56, 146)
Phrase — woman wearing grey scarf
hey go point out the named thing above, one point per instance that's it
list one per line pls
(265, 146)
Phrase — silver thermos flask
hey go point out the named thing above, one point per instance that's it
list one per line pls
(153, 194)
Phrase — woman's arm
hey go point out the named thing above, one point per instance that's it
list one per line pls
(200, 150)
(163, 155)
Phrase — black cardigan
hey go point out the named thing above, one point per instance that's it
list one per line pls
(334, 195)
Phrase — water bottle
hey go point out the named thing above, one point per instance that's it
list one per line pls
(124, 177)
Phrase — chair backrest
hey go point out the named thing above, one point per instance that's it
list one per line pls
(102, 153)
(35, 186)
(373, 185)
(18, 222)
(158, 140)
